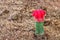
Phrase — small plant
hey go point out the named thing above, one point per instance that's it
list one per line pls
(39, 15)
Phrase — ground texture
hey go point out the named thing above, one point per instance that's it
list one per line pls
(16, 22)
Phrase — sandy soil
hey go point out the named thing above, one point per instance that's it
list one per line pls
(17, 23)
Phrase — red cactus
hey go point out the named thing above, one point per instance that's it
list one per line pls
(39, 15)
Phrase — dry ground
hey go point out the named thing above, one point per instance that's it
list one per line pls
(16, 22)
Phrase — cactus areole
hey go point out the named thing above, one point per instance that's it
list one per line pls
(39, 15)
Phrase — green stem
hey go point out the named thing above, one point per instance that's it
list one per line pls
(39, 28)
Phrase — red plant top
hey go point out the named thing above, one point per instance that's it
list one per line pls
(39, 15)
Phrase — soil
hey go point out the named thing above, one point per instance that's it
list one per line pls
(17, 23)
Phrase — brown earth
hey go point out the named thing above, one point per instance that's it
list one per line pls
(16, 22)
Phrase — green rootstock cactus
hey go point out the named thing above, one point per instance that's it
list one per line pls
(39, 28)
